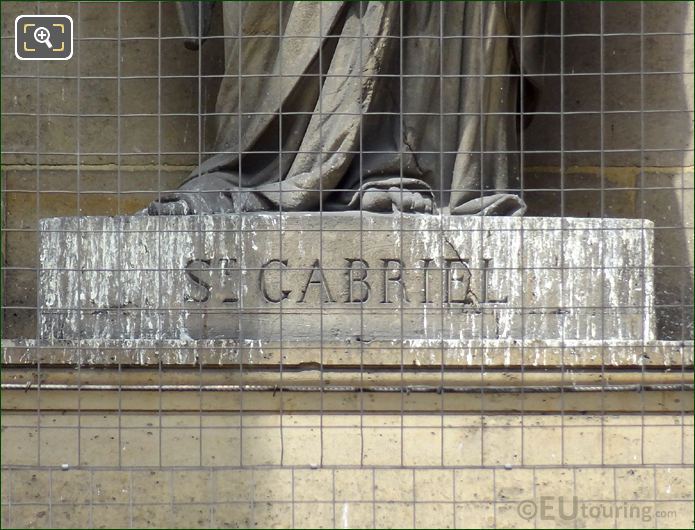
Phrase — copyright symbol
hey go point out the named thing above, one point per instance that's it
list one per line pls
(526, 509)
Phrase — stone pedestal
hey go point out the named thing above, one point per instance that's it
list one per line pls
(353, 277)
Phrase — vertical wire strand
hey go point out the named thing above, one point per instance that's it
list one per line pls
(563, 288)
(442, 358)
(130, 497)
(641, 214)
(9, 484)
(481, 225)
(39, 314)
(321, 287)
(78, 166)
(158, 222)
(201, 147)
(320, 190)
(523, 256)
(243, 351)
(50, 497)
(280, 238)
(401, 150)
(360, 160)
(119, 266)
(602, 248)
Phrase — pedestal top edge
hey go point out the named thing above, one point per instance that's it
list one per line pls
(482, 221)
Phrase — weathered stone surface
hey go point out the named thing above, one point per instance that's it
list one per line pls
(345, 277)
(475, 353)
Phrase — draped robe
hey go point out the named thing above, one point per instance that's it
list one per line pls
(325, 103)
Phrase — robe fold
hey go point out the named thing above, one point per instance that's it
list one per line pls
(325, 102)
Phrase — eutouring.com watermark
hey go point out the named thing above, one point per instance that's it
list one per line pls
(552, 508)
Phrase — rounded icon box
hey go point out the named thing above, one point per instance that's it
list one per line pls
(43, 37)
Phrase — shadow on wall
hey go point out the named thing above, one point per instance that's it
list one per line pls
(617, 160)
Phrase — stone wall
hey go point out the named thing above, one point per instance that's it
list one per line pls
(349, 497)
(160, 461)
(221, 445)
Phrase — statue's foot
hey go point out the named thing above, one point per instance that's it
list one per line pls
(397, 200)
(504, 204)
(205, 202)
(210, 193)
(171, 206)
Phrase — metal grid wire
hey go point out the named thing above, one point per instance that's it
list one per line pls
(377, 433)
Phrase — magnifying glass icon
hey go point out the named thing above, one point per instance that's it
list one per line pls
(42, 35)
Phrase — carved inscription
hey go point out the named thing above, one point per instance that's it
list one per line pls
(386, 281)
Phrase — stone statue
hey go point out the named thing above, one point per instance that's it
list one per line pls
(378, 106)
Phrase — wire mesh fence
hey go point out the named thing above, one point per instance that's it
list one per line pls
(348, 264)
